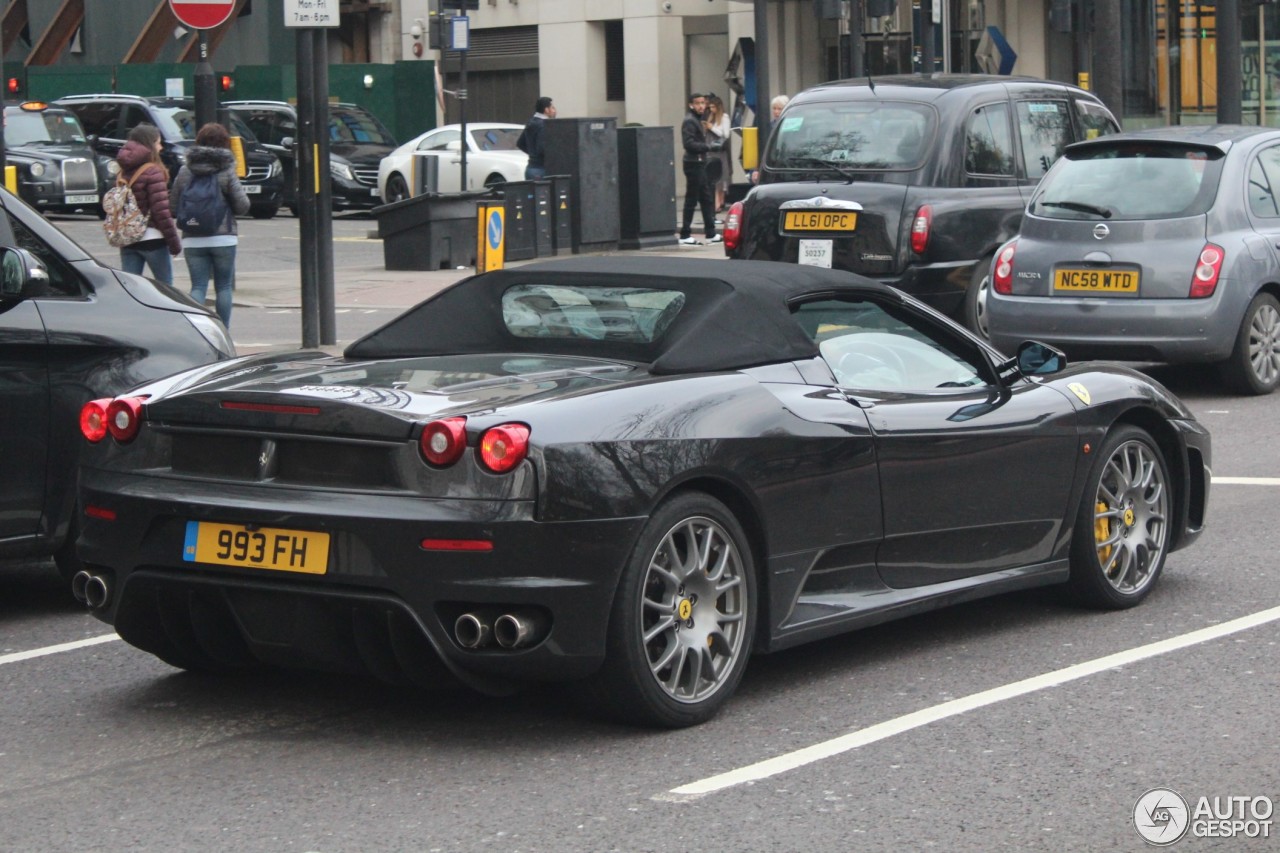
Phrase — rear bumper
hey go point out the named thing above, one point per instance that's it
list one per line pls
(1165, 330)
(377, 574)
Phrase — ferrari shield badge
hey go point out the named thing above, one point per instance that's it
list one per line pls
(1081, 392)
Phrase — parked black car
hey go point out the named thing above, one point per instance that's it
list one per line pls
(72, 330)
(913, 181)
(109, 118)
(357, 143)
(58, 170)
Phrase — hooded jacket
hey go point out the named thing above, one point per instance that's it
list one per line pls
(202, 160)
(151, 189)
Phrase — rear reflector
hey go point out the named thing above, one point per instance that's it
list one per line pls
(100, 512)
(456, 545)
(270, 407)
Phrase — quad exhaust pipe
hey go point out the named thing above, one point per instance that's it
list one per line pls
(91, 590)
(514, 630)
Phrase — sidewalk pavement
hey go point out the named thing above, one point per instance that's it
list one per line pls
(376, 287)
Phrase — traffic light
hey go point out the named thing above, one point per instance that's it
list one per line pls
(226, 82)
(13, 87)
(436, 24)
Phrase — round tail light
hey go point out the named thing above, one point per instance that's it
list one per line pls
(124, 416)
(93, 419)
(504, 447)
(443, 441)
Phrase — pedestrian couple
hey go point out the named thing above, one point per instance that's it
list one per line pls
(704, 133)
(207, 218)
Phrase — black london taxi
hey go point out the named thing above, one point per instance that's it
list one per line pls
(910, 180)
(57, 168)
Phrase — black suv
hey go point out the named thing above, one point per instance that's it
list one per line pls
(58, 170)
(109, 118)
(357, 143)
(910, 180)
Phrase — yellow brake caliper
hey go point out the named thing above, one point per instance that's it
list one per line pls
(1102, 532)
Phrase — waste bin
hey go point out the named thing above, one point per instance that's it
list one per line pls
(429, 232)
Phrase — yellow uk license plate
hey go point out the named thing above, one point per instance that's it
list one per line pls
(256, 547)
(819, 220)
(1096, 281)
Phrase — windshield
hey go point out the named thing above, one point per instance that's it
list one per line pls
(22, 127)
(496, 139)
(180, 123)
(1130, 181)
(874, 135)
(346, 125)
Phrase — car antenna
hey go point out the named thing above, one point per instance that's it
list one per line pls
(871, 84)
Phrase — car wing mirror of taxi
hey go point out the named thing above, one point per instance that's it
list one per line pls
(1037, 359)
(750, 147)
(21, 274)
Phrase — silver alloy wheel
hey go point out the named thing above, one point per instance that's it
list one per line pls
(1264, 343)
(1131, 511)
(980, 308)
(693, 611)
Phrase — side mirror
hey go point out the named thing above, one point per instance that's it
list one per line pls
(21, 273)
(1037, 359)
(287, 143)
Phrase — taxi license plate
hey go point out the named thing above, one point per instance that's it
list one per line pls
(252, 189)
(819, 220)
(1096, 281)
(256, 547)
(82, 199)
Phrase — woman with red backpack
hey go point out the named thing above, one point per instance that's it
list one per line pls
(146, 176)
(207, 197)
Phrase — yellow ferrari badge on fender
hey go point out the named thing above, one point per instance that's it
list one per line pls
(1081, 392)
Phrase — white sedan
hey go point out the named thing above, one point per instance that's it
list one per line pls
(492, 158)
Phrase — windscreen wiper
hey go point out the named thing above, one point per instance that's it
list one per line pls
(1080, 207)
(842, 171)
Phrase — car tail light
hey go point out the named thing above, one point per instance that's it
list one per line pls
(1204, 281)
(920, 229)
(124, 416)
(504, 447)
(443, 441)
(733, 227)
(1002, 269)
(93, 419)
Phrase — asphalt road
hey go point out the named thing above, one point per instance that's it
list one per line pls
(104, 748)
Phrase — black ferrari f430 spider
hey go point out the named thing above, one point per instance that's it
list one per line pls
(629, 473)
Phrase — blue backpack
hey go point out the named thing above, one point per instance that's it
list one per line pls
(202, 209)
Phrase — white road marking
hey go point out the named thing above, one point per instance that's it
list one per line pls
(1246, 481)
(17, 657)
(925, 716)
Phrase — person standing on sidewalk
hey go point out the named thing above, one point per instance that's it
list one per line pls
(141, 168)
(531, 139)
(698, 189)
(719, 130)
(212, 253)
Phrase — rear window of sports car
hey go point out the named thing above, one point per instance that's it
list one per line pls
(581, 312)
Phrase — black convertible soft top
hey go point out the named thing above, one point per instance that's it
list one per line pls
(736, 313)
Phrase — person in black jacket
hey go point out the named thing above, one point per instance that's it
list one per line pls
(530, 141)
(699, 186)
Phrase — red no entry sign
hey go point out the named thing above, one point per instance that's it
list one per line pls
(202, 14)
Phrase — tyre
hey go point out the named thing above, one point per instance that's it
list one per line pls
(65, 558)
(267, 211)
(1121, 536)
(1254, 365)
(397, 189)
(975, 299)
(683, 618)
